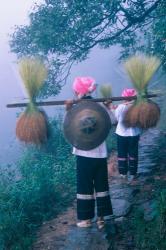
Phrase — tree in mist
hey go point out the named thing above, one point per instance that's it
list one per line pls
(150, 38)
(63, 32)
(157, 34)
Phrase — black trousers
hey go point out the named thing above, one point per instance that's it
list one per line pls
(127, 154)
(92, 184)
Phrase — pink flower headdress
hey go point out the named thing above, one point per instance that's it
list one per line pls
(129, 92)
(84, 85)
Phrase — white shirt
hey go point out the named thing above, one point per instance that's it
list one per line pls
(121, 129)
(98, 152)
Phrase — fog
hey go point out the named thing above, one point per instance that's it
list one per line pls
(103, 65)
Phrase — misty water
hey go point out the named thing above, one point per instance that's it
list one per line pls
(101, 64)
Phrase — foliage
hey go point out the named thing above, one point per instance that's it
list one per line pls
(152, 235)
(63, 32)
(162, 124)
(151, 38)
(158, 36)
(44, 185)
(111, 141)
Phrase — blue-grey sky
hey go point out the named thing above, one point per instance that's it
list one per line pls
(101, 64)
(13, 12)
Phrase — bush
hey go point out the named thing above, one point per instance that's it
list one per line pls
(43, 185)
(111, 141)
(152, 235)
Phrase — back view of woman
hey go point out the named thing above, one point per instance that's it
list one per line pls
(127, 139)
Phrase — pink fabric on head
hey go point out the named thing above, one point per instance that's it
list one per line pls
(129, 92)
(84, 85)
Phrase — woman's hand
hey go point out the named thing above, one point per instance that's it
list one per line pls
(110, 105)
(68, 104)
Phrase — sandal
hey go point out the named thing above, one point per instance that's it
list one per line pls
(100, 223)
(84, 223)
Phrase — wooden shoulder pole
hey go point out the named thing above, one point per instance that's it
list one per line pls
(63, 102)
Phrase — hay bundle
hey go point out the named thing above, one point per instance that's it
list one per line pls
(143, 113)
(131, 116)
(106, 90)
(32, 126)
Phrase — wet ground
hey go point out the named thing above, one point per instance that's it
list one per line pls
(62, 233)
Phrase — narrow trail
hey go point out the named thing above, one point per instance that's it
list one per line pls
(62, 233)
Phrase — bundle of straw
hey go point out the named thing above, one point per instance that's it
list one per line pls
(143, 113)
(32, 126)
(106, 90)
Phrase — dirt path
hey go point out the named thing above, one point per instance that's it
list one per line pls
(59, 233)
(62, 233)
(53, 233)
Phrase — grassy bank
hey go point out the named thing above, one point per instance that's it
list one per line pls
(151, 235)
(44, 186)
